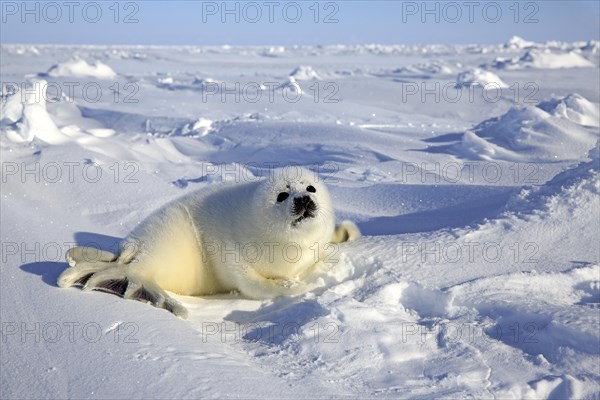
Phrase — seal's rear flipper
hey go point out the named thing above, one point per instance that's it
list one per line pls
(345, 232)
(120, 279)
(101, 270)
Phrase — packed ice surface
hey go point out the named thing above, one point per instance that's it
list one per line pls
(478, 275)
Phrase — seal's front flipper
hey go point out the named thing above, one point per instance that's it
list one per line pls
(89, 255)
(256, 286)
(80, 273)
(345, 232)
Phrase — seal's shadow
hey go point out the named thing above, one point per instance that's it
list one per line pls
(276, 322)
(50, 270)
(98, 241)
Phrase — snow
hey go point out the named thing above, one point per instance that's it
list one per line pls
(479, 77)
(545, 59)
(548, 59)
(478, 275)
(517, 42)
(434, 67)
(531, 134)
(574, 108)
(31, 117)
(200, 127)
(304, 72)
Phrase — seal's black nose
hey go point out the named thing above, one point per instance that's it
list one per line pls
(304, 200)
(303, 205)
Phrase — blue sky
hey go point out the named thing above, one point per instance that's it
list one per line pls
(301, 22)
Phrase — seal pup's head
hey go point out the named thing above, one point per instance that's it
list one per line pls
(294, 202)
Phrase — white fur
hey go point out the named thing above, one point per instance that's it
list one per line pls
(231, 237)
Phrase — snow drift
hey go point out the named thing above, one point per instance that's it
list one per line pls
(544, 59)
(28, 118)
(552, 131)
(304, 72)
(516, 43)
(81, 69)
(479, 77)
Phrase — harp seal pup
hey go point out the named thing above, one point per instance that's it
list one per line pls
(260, 238)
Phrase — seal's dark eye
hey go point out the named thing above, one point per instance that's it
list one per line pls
(282, 196)
(311, 188)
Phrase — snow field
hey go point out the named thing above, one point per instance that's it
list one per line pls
(478, 275)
